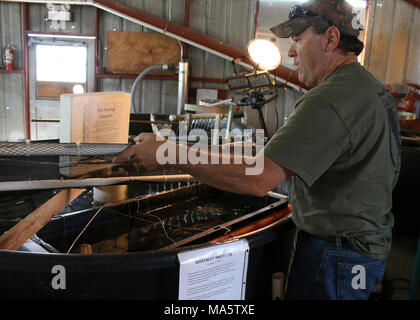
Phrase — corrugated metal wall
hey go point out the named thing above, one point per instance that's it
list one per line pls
(12, 126)
(221, 19)
(157, 96)
(392, 54)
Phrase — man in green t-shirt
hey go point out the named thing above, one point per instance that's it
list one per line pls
(342, 144)
(340, 148)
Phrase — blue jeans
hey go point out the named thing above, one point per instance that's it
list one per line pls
(331, 270)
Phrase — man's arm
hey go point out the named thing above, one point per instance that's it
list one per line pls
(226, 175)
(233, 178)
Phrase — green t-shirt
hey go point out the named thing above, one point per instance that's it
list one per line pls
(342, 142)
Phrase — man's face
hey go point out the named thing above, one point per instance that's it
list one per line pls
(308, 55)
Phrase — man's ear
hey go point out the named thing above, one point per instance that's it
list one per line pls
(332, 39)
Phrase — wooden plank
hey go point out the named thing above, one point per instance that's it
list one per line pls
(53, 89)
(132, 52)
(367, 35)
(26, 228)
(107, 21)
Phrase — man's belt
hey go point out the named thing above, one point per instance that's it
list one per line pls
(324, 238)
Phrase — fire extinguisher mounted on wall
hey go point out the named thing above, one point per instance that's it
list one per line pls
(8, 53)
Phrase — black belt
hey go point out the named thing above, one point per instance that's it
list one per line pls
(324, 238)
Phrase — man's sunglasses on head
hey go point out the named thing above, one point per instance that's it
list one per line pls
(299, 11)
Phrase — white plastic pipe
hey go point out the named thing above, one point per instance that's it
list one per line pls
(74, 183)
(278, 286)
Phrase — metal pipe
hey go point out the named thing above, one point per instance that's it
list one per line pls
(71, 2)
(89, 182)
(23, 149)
(182, 86)
(25, 19)
(95, 48)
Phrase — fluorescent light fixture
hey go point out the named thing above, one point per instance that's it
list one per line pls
(264, 53)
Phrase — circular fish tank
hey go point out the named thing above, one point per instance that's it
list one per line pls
(129, 249)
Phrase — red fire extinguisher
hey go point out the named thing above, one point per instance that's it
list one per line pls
(8, 57)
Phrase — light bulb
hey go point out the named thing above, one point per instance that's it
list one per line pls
(264, 53)
(78, 89)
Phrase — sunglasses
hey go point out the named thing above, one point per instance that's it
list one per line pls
(298, 11)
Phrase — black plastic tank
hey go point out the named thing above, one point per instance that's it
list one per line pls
(145, 270)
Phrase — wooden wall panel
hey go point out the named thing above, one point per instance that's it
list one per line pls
(132, 52)
(53, 90)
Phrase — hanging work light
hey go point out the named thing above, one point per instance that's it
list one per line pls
(264, 53)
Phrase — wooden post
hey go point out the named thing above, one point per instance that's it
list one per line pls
(21, 232)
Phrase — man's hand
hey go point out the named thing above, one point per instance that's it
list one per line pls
(143, 152)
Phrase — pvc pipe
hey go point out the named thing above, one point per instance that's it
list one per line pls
(137, 81)
(278, 286)
(89, 182)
